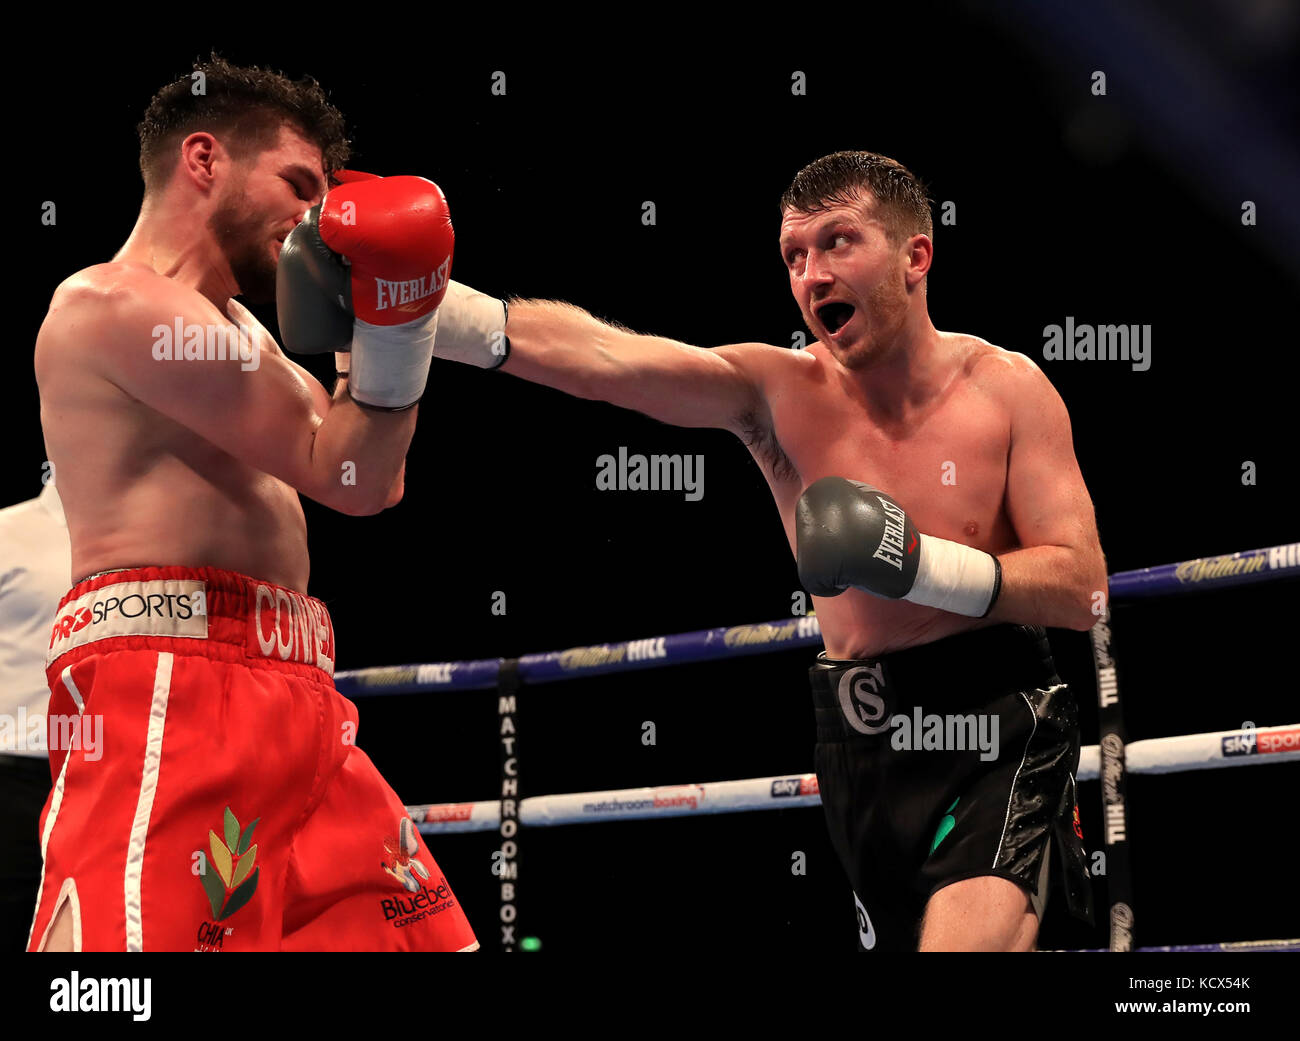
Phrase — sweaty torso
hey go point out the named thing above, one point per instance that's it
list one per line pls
(945, 463)
(141, 489)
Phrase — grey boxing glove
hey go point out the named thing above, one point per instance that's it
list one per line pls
(850, 534)
(313, 292)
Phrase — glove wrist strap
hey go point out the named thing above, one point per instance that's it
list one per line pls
(390, 363)
(472, 329)
(955, 578)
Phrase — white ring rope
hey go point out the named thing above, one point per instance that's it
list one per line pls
(1247, 747)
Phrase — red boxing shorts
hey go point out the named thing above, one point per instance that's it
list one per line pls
(208, 791)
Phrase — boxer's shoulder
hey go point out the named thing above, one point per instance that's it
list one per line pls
(106, 303)
(769, 366)
(1015, 385)
(79, 317)
(1006, 375)
(127, 286)
(102, 281)
(760, 355)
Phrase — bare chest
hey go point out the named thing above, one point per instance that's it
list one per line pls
(947, 466)
(139, 488)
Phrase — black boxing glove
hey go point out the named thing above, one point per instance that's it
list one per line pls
(313, 292)
(850, 534)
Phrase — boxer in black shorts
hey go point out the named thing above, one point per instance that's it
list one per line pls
(926, 481)
(997, 797)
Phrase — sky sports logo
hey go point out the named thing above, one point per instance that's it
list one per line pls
(786, 787)
(1267, 742)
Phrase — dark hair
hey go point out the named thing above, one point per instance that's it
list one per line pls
(837, 179)
(246, 108)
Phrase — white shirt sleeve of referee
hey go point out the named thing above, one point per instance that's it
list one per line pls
(35, 572)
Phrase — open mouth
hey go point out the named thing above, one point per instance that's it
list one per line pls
(835, 316)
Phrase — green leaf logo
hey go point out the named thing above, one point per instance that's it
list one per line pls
(945, 825)
(230, 878)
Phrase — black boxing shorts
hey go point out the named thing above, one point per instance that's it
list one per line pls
(948, 761)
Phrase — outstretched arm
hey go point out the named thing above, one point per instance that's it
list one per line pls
(562, 346)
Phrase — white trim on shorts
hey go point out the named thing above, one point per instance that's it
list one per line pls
(162, 685)
(55, 803)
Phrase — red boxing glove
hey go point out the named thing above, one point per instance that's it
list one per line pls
(351, 177)
(397, 234)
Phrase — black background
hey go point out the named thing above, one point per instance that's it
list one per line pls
(1066, 203)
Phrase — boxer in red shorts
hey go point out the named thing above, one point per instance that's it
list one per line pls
(226, 805)
(229, 808)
